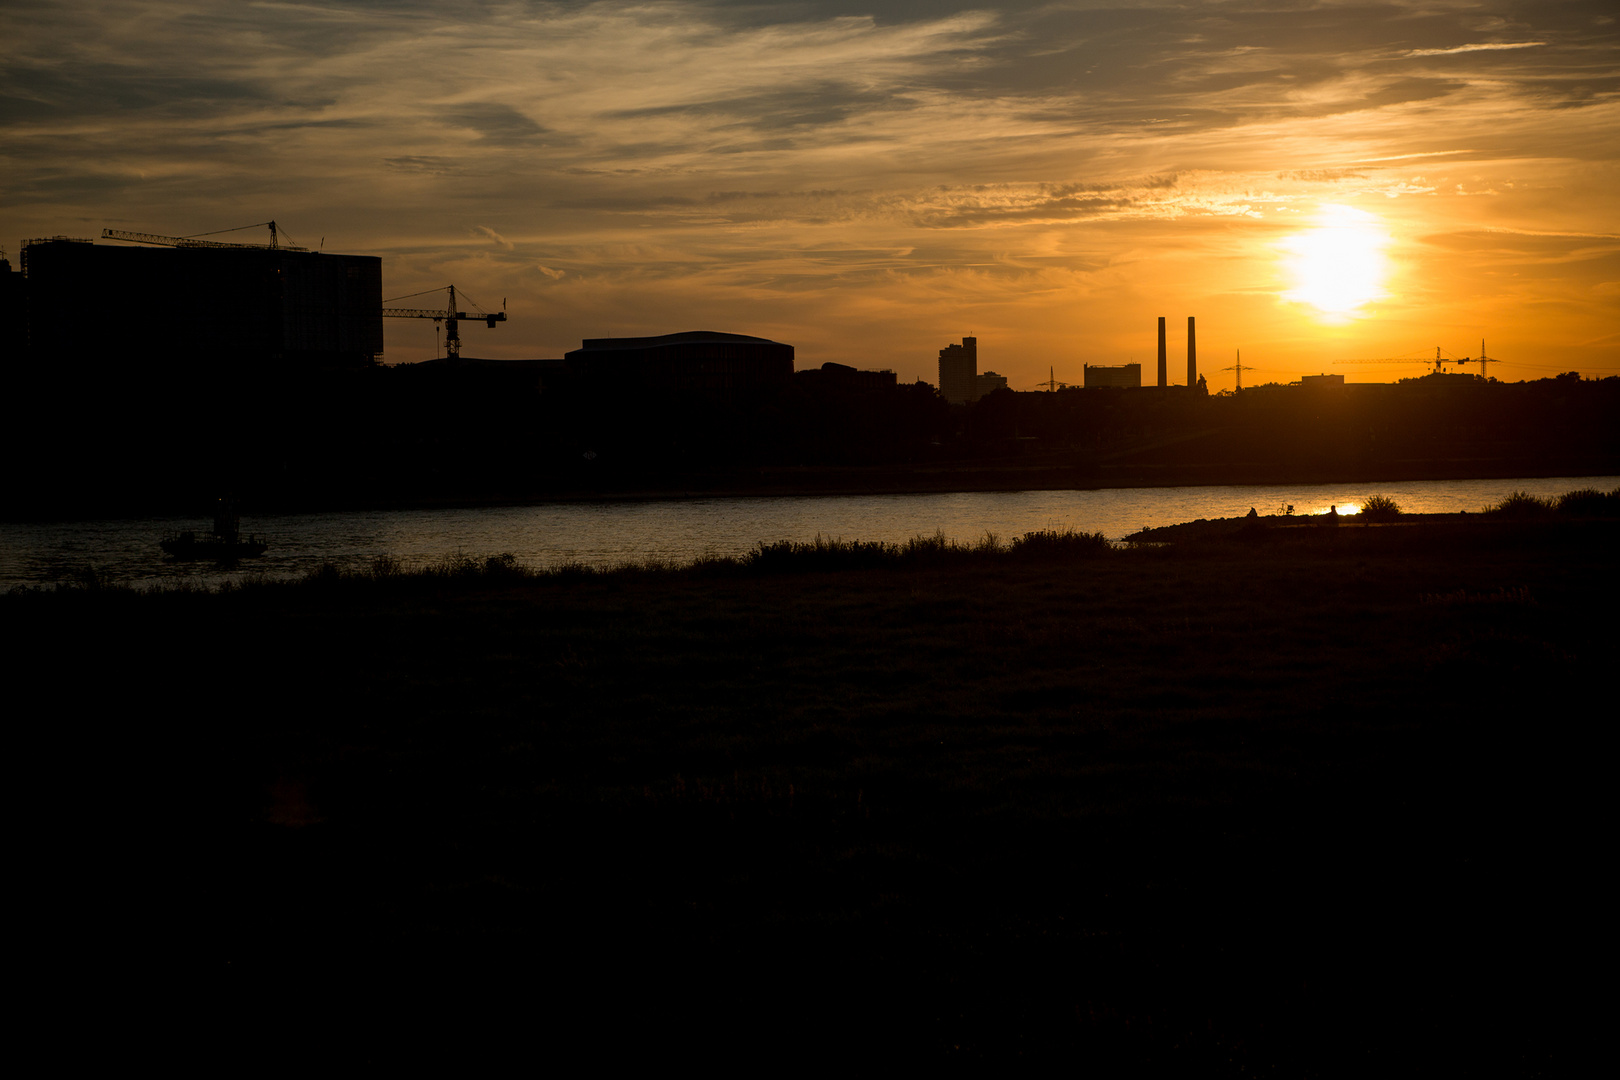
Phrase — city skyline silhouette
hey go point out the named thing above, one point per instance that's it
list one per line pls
(867, 182)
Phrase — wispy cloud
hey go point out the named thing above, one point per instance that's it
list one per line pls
(501, 241)
(1479, 47)
(801, 163)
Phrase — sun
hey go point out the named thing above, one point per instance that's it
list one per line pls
(1338, 266)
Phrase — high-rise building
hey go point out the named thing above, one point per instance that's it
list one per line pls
(959, 371)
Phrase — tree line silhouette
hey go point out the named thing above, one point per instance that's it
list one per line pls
(175, 432)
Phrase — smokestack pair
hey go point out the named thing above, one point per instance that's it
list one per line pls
(1192, 355)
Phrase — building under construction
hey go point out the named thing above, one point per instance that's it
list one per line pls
(157, 370)
(170, 300)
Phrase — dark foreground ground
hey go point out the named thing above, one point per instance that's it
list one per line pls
(1294, 802)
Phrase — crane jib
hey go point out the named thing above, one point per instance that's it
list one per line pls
(450, 317)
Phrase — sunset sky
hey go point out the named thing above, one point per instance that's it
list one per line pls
(870, 180)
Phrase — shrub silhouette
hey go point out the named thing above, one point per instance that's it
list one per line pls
(1589, 502)
(1380, 508)
(1521, 504)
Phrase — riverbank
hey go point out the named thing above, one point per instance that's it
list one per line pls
(1315, 804)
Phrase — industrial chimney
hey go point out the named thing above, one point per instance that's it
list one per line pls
(1192, 354)
(1164, 371)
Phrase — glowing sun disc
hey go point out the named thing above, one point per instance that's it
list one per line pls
(1338, 266)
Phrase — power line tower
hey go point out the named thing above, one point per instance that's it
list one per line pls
(1238, 367)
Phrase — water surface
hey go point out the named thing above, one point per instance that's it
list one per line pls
(681, 530)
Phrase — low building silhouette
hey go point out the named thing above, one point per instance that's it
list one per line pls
(1128, 375)
(701, 362)
(846, 379)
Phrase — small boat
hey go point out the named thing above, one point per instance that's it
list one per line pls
(226, 544)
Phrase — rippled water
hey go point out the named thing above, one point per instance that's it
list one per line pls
(680, 530)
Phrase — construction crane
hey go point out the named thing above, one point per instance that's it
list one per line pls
(275, 243)
(450, 316)
(1051, 384)
(1439, 361)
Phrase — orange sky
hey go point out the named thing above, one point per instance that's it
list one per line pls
(871, 181)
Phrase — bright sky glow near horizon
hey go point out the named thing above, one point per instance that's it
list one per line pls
(870, 181)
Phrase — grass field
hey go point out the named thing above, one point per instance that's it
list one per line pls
(1291, 801)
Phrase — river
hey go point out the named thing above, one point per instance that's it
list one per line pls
(604, 534)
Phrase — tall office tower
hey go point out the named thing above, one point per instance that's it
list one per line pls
(959, 371)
